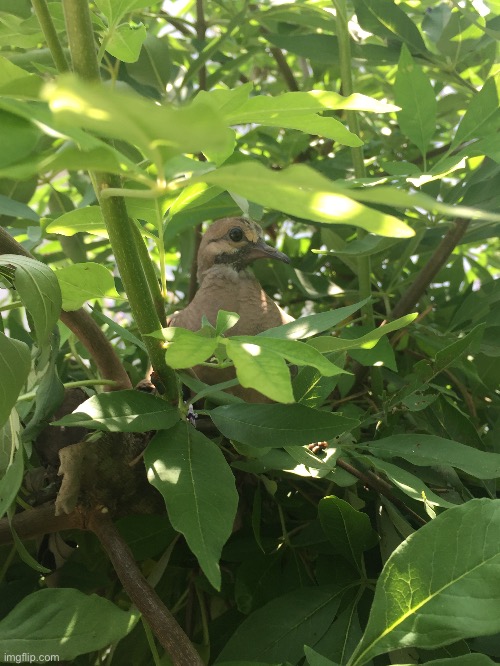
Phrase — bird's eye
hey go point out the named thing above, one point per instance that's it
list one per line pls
(236, 234)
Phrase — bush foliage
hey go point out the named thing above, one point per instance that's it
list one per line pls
(352, 521)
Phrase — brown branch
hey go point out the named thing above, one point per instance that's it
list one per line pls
(83, 326)
(380, 486)
(284, 68)
(157, 615)
(411, 297)
(193, 282)
(33, 523)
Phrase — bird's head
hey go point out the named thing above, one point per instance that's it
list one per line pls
(235, 242)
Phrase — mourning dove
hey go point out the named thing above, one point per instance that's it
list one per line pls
(227, 249)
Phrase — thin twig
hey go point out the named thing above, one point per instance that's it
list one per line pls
(157, 615)
(380, 486)
(284, 68)
(443, 252)
(83, 326)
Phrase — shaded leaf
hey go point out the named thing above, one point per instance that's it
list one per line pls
(279, 425)
(349, 531)
(122, 411)
(15, 365)
(429, 594)
(198, 486)
(88, 220)
(64, 622)
(82, 282)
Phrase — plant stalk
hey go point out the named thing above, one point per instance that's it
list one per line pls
(120, 227)
(49, 32)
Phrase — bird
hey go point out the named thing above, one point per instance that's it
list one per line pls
(227, 249)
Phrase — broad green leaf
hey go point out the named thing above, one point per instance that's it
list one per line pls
(198, 486)
(483, 115)
(11, 462)
(122, 411)
(391, 196)
(432, 450)
(134, 119)
(15, 364)
(18, 138)
(39, 291)
(462, 660)
(82, 282)
(17, 81)
(343, 636)
(154, 66)
(430, 594)
(330, 128)
(305, 327)
(237, 107)
(88, 220)
(349, 531)
(301, 191)
(261, 369)
(316, 659)
(225, 321)
(279, 425)
(408, 483)
(320, 48)
(385, 18)
(293, 351)
(450, 354)
(115, 10)
(17, 209)
(126, 42)
(185, 348)
(414, 93)
(279, 630)
(64, 622)
(367, 341)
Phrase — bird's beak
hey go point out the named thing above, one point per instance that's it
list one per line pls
(261, 250)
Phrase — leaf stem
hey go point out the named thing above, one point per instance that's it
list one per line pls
(78, 384)
(120, 228)
(49, 32)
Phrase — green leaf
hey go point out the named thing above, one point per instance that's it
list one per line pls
(198, 486)
(305, 327)
(414, 93)
(426, 450)
(385, 18)
(185, 348)
(316, 659)
(17, 81)
(408, 483)
(367, 341)
(126, 42)
(482, 116)
(38, 289)
(279, 630)
(11, 462)
(88, 220)
(430, 594)
(17, 209)
(18, 138)
(225, 321)
(141, 122)
(319, 48)
(15, 365)
(122, 411)
(279, 425)
(301, 191)
(115, 10)
(462, 660)
(64, 622)
(349, 531)
(82, 282)
(154, 66)
(293, 351)
(261, 369)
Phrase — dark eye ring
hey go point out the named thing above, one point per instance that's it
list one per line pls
(236, 234)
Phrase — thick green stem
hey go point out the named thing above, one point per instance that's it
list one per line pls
(364, 263)
(120, 228)
(50, 34)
